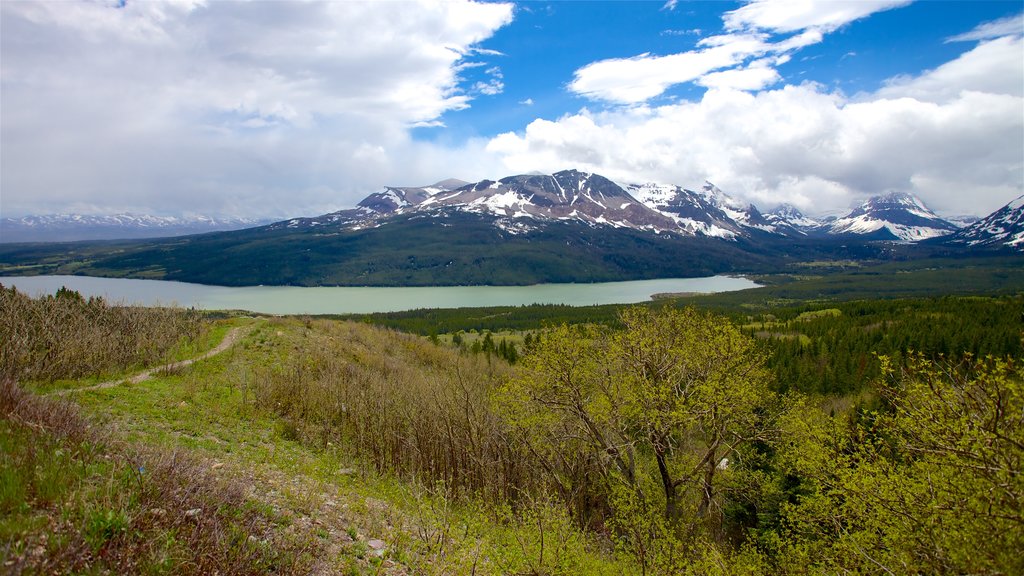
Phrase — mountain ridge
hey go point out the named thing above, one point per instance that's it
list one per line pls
(522, 203)
(124, 225)
(1002, 228)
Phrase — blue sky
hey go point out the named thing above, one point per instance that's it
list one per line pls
(279, 109)
(548, 41)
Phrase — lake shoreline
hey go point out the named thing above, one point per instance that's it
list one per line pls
(360, 300)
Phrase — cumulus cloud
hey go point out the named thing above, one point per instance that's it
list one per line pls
(725, 59)
(952, 135)
(993, 67)
(259, 107)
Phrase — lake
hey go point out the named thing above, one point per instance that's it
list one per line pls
(345, 300)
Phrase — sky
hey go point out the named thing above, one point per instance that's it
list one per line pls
(278, 109)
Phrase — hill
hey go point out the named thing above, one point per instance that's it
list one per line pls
(321, 446)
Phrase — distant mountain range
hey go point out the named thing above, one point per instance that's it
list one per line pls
(521, 204)
(71, 227)
(570, 226)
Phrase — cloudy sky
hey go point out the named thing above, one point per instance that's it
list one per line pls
(280, 109)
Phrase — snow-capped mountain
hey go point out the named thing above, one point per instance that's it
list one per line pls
(962, 221)
(743, 213)
(567, 195)
(1004, 227)
(523, 203)
(896, 216)
(517, 204)
(70, 227)
(694, 213)
(788, 219)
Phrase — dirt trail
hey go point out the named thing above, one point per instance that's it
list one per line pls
(229, 340)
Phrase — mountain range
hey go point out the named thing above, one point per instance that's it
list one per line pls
(72, 227)
(521, 204)
(570, 226)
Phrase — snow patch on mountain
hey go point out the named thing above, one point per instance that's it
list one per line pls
(789, 215)
(897, 215)
(1004, 227)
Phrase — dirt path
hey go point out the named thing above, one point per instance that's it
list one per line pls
(229, 340)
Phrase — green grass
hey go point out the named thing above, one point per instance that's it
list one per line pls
(319, 495)
(74, 498)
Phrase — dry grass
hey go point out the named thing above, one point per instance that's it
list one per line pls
(67, 336)
(406, 406)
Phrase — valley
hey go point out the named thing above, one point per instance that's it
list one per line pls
(499, 288)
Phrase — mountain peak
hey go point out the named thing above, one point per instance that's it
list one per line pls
(787, 216)
(894, 215)
(449, 184)
(1004, 227)
(786, 211)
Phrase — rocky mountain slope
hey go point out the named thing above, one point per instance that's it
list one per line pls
(1002, 228)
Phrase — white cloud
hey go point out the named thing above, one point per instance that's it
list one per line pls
(490, 88)
(256, 107)
(994, 67)
(638, 79)
(723, 60)
(953, 135)
(796, 15)
(757, 76)
(527, 102)
(1009, 26)
(691, 32)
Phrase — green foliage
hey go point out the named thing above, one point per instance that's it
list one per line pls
(102, 525)
(838, 355)
(660, 408)
(930, 483)
(921, 476)
(813, 348)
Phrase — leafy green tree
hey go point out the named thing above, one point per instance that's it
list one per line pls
(693, 383)
(661, 408)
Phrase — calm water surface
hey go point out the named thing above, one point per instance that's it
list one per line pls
(335, 300)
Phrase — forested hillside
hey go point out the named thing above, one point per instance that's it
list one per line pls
(828, 348)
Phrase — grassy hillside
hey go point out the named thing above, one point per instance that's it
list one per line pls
(325, 446)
